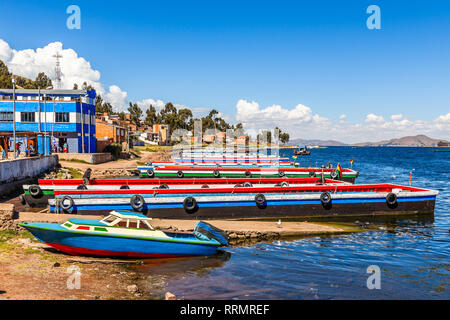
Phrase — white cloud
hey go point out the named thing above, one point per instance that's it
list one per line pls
(373, 118)
(302, 122)
(396, 116)
(75, 69)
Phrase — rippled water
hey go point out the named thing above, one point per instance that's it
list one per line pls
(412, 253)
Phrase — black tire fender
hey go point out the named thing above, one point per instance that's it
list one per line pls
(34, 190)
(66, 206)
(82, 187)
(137, 202)
(325, 198)
(248, 184)
(124, 187)
(284, 184)
(164, 186)
(391, 199)
(260, 199)
(334, 175)
(150, 173)
(190, 204)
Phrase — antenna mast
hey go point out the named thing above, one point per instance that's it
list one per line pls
(57, 71)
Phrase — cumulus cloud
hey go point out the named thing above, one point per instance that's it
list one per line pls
(373, 118)
(75, 69)
(396, 116)
(302, 122)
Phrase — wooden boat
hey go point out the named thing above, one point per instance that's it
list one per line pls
(347, 175)
(304, 201)
(303, 151)
(38, 195)
(222, 164)
(126, 234)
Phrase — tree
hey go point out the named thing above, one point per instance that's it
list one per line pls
(42, 81)
(135, 113)
(185, 115)
(5, 76)
(151, 116)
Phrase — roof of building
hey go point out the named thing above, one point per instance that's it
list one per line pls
(52, 92)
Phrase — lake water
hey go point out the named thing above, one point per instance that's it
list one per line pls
(412, 253)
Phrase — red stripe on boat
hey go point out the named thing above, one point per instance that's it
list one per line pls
(107, 253)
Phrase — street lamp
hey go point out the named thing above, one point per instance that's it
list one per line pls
(14, 115)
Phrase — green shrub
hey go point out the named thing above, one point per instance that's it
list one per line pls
(115, 149)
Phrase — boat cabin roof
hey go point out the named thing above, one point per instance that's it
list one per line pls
(128, 219)
(124, 214)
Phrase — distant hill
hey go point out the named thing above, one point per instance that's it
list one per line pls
(410, 141)
(297, 142)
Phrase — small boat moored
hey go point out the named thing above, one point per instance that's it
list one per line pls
(126, 234)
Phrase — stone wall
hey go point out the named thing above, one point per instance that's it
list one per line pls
(13, 173)
(93, 158)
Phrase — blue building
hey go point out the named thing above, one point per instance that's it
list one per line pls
(49, 118)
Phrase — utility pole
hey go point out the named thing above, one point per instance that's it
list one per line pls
(14, 116)
(45, 124)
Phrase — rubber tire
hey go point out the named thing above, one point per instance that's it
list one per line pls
(248, 174)
(204, 186)
(133, 202)
(150, 173)
(216, 173)
(190, 205)
(312, 174)
(71, 203)
(260, 199)
(391, 200)
(163, 186)
(284, 184)
(248, 184)
(325, 198)
(82, 187)
(180, 174)
(124, 187)
(334, 175)
(35, 190)
(281, 174)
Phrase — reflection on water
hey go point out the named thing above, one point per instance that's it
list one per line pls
(412, 252)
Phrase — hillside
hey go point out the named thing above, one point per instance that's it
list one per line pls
(315, 142)
(410, 141)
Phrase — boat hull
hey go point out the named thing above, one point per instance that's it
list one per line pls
(271, 209)
(77, 243)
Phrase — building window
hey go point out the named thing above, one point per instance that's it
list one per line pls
(6, 116)
(27, 116)
(61, 117)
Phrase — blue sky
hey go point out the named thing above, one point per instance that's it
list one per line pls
(214, 53)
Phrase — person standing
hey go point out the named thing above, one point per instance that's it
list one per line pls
(18, 149)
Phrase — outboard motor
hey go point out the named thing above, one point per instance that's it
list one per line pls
(204, 230)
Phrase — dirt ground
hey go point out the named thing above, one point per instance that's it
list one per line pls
(32, 270)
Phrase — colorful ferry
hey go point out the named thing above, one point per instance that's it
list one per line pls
(178, 171)
(126, 234)
(253, 202)
(38, 195)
